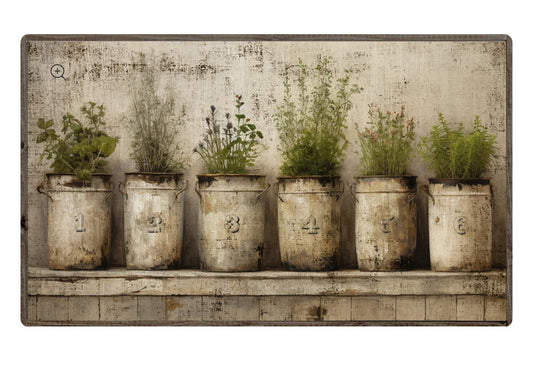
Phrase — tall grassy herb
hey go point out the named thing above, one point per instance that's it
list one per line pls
(82, 147)
(453, 153)
(311, 124)
(387, 145)
(232, 149)
(154, 125)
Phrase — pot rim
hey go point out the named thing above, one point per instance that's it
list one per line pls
(385, 176)
(230, 175)
(72, 174)
(154, 173)
(307, 176)
(471, 181)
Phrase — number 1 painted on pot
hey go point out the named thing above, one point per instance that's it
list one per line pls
(78, 219)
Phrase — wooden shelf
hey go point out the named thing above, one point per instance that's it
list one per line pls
(119, 281)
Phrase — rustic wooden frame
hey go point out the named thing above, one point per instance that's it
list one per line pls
(272, 37)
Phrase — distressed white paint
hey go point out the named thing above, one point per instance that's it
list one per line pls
(460, 226)
(309, 222)
(153, 220)
(79, 222)
(232, 222)
(385, 222)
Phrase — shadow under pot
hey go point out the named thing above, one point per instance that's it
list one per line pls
(385, 222)
(153, 219)
(232, 221)
(79, 221)
(309, 222)
(460, 224)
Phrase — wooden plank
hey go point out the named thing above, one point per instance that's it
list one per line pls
(183, 308)
(123, 308)
(495, 309)
(305, 308)
(336, 308)
(275, 308)
(410, 308)
(31, 303)
(265, 283)
(150, 308)
(441, 308)
(373, 308)
(470, 308)
(84, 308)
(51, 308)
(221, 308)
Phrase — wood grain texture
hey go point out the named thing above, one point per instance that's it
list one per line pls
(410, 308)
(287, 310)
(441, 308)
(84, 308)
(470, 308)
(193, 282)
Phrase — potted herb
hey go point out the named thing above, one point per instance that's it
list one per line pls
(311, 127)
(385, 197)
(79, 214)
(154, 198)
(232, 214)
(460, 209)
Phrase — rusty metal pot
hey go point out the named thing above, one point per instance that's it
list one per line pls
(460, 224)
(232, 221)
(79, 221)
(385, 222)
(309, 222)
(153, 219)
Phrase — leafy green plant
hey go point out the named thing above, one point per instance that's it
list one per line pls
(154, 127)
(453, 153)
(386, 146)
(82, 147)
(233, 150)
(311, 124)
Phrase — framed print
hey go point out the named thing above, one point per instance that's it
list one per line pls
(266, 180)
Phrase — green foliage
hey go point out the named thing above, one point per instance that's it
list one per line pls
(154, 127)
(452, 153)
(312, 124)
(232, 151)
(387, 145)
(82, 147)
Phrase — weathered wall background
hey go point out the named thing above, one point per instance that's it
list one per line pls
(459, 79)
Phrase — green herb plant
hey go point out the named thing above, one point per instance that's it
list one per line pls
(454, 153)
(82, 147)
(154, 127)
(387, 145)
(232, 150)
(311, 124)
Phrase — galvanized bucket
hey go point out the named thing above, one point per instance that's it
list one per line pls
(79, 221)
(460, 224)
(385, 222)
(153, 219)
(232, 221)
(309, 222)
